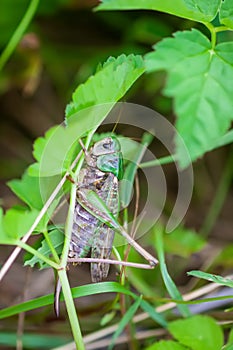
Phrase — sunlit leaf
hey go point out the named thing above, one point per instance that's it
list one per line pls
(18, 220)
(200, 81)
(166, 345)
(192, 9)
(57, 239)
(198, 333)
(226, 13)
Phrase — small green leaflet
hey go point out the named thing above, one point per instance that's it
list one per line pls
(200, 81)
(57, 239)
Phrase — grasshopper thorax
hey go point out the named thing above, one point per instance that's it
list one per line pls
(108, 156)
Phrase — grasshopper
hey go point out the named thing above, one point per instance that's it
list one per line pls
(93, 231)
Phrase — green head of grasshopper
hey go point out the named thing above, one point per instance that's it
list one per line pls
(109, 156)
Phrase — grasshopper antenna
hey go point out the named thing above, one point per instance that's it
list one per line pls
(118, 119)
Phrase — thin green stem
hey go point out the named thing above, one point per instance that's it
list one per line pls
(16, 37)
(222, 29)
(35, 252)
(160, 161)
(74, 322)
(70, 215)
(51, 247)
(212, 32)
(219, 198)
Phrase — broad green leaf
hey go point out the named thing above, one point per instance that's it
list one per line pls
(125, 320)
(55, 151)
(57, 239)
(169, 283)
(213, 278)
(166, 345)
(4, 237)
(28, 190)
(183, 242)
(209, 8)
(198, 333)
(92, 101)
(109, 84)
(35, 191)
(200, 81)
(190, 9)
(18, 220)
(226, 13)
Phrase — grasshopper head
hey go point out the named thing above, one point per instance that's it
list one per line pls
(109, 157)
(106, 146)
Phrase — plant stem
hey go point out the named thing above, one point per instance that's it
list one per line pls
(160, 161)
(69, 220)
(74, 322)
(35, 252)
(18, 33)
(51, 247)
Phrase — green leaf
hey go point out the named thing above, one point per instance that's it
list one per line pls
(4, 237)
(226, 13)
(89, 289)
(213, 278)
(125, 320)
(200, 81)
(55, 151)
(170, 285)
(198, 333)
(57, 239)
(183, 242)
(18, 220)
(230, 339)
(92, 101)
(109, 84)
(28, 190)
(35, 191)
(166, 345)
(201, 11)
(209, 8)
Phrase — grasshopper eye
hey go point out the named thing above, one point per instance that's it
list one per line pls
(107, 145)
